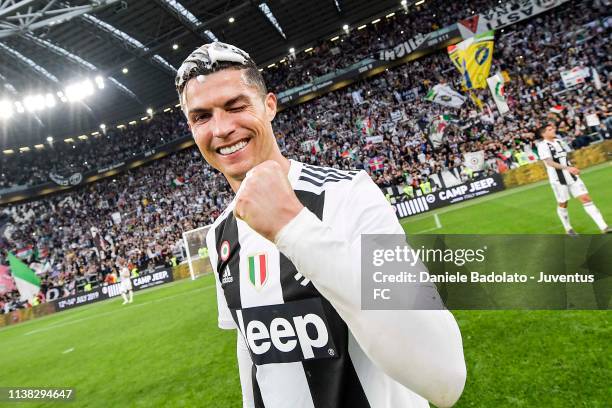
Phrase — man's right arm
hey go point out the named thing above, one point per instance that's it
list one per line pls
(546, 157)
(555, 165)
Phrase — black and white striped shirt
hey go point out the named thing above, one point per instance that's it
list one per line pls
(298, 351)
(556, 150)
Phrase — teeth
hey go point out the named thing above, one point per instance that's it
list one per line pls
(233, 148)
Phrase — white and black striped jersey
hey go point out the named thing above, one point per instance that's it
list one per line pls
(294, 349)
(556, 150)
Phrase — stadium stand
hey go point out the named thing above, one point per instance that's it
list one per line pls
(155, 202)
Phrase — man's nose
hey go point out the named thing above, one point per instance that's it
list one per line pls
(222, 125)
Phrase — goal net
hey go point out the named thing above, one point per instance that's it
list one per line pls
(197, 251)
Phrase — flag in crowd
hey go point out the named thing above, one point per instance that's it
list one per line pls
(446, 96)
(496, 86)
(575, 76)
(41, 252)
(376, 163)
(437, 128)
(557, 109)
(28, 284)
(366, 126)
(24, 252)
(178, 181)
(472, 58)
(311, 146)
(474, 160)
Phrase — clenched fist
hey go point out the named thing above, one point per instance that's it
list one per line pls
(265, 200)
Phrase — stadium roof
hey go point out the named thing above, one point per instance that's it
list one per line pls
(132, 48)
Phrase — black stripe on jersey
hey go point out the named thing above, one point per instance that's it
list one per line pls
(328, 170)
(561, 176)
(292, 289)
(324, 176)
(555, 158)
(332, 382)
(328, 179)
(257, 399)
(227, 230)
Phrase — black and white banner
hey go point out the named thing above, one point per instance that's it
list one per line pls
(420, 43)
(72, 180)
(140, 282)
(505, 14)
(446, 196)
(147, 280)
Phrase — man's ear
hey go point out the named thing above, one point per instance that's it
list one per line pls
(270, 103)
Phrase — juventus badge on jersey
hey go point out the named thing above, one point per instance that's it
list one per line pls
(258, 269)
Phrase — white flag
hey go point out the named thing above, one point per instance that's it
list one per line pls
(474, 160)
(446, 96)
(574, 76)
(496, 86)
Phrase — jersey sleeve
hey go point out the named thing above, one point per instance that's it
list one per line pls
(225, 320)
(544, 151)
(421, 349)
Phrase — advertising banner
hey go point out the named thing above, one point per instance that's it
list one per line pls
(141, 282)
(447, 196)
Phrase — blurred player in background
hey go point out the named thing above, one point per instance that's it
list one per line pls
(564, 178)
(127, 291)
(286, 257)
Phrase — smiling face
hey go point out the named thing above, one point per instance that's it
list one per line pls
(231, 122)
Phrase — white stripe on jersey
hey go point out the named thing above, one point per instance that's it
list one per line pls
(272, 378)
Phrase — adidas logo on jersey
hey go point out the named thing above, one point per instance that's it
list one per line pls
(227, 276)
(288, 332)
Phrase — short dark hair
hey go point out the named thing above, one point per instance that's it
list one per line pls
(540, 131)
(252, 75)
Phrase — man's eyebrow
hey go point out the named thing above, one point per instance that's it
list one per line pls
(196, 111)
(240, 98)
(237, 99)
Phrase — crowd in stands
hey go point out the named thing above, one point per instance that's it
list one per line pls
(143, 212)
(109, 146)
(357, 44)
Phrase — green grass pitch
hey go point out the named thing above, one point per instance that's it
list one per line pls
(165, 349)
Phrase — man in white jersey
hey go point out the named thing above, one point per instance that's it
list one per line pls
(564, 178)
(286, 257)
(127, 292)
